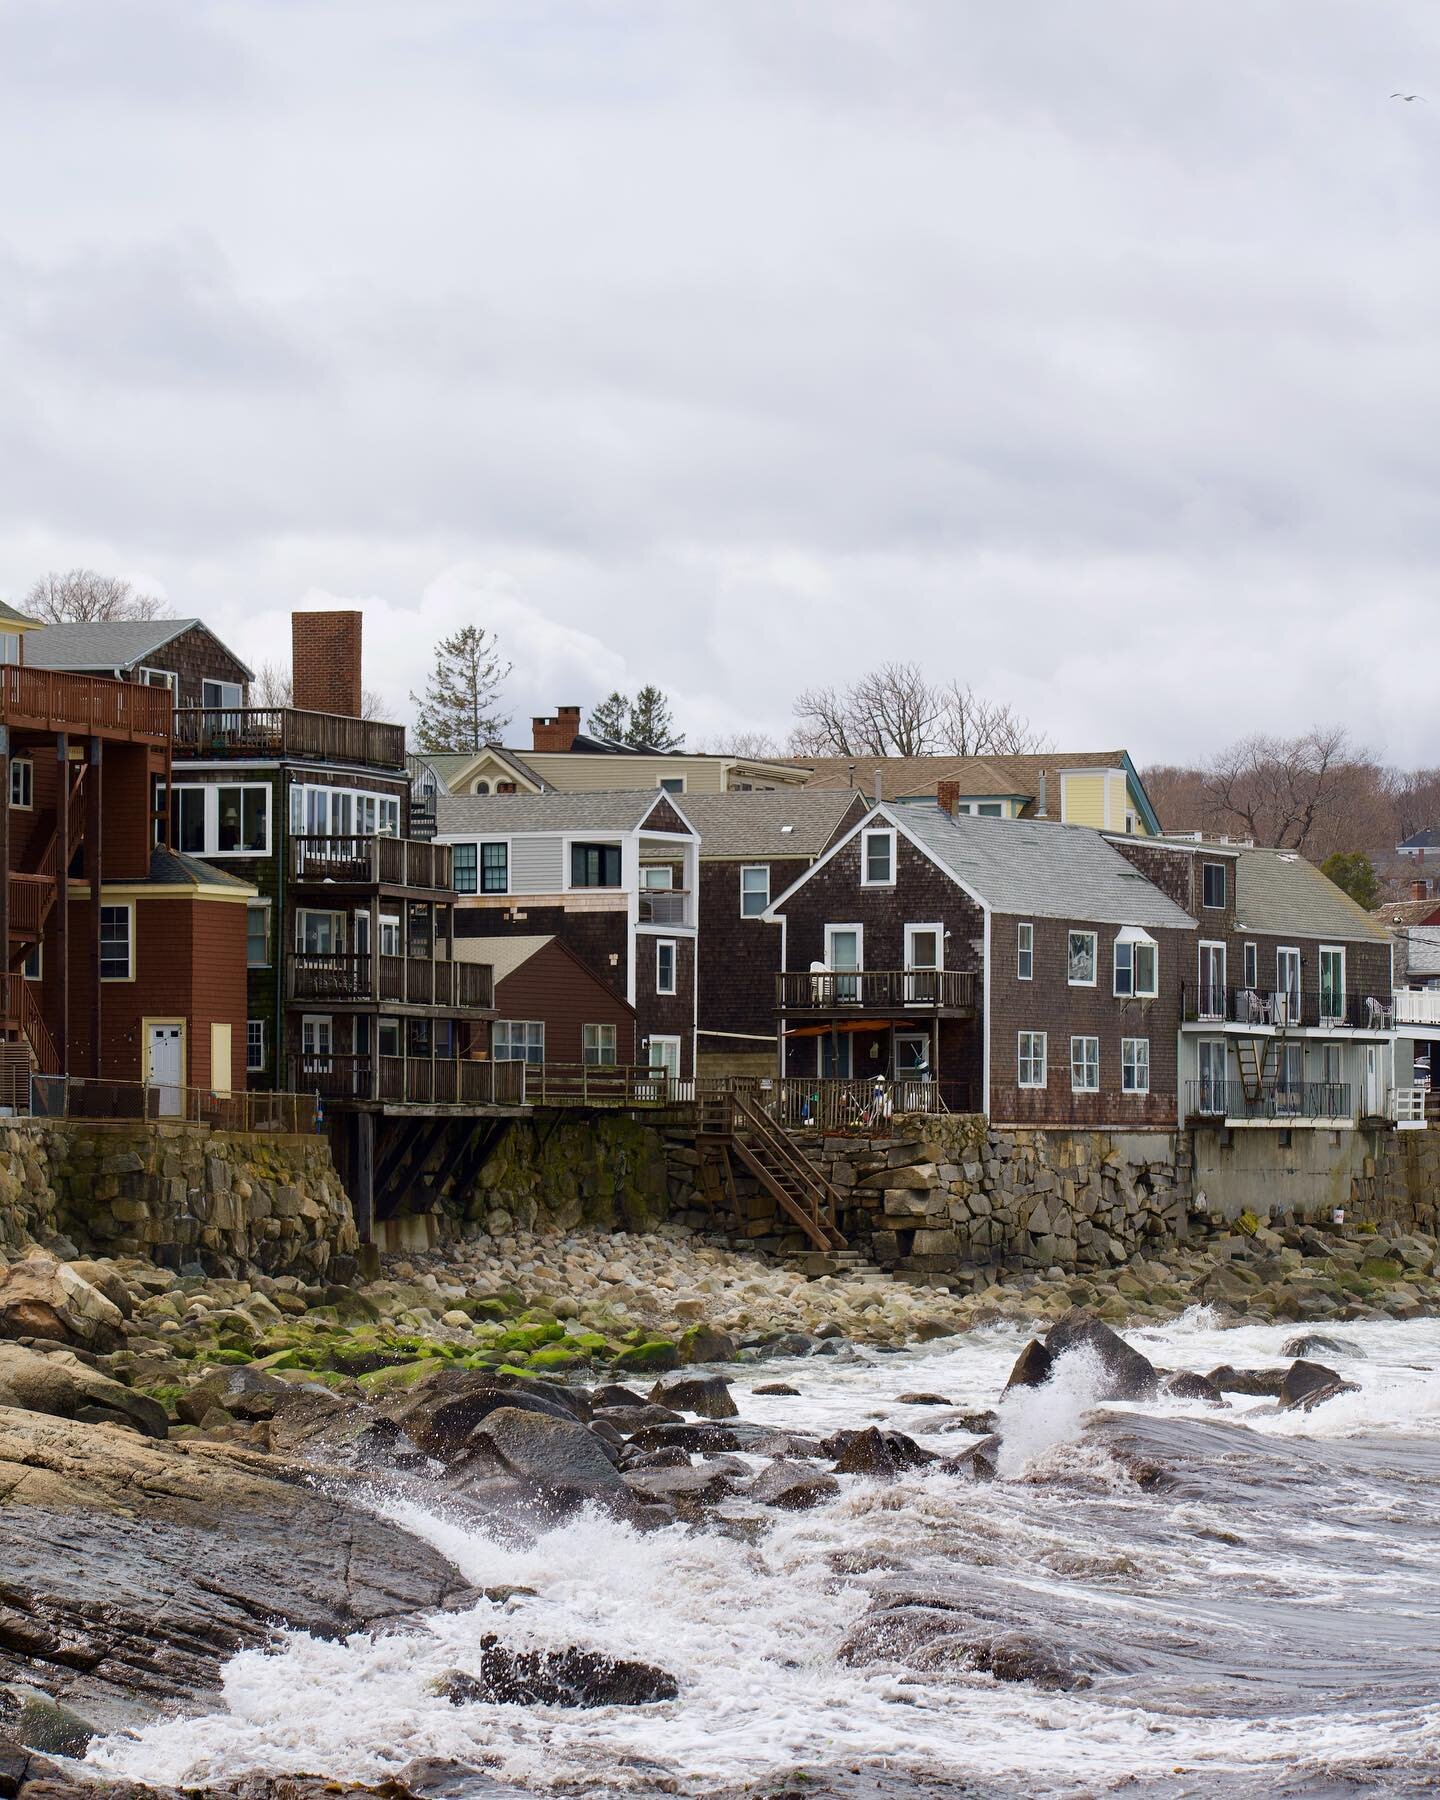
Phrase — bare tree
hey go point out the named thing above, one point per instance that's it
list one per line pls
(1278, 791)
(86, 597)
(274, 686)
(896, 711)
(1417, 802)
(973, 726)
(756, 746)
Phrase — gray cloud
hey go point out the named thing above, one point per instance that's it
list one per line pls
(1084, 352)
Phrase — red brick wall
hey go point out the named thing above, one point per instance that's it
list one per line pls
(325, 661)
(557, 733)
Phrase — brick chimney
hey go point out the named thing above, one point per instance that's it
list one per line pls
(558, 733)
(948, 795)
(325, 662)
(1419, 890)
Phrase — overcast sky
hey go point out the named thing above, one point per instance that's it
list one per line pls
(1086, 352)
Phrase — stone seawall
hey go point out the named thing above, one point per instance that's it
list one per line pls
(226, 1203)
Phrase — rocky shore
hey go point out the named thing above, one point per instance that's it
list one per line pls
(188, 1464)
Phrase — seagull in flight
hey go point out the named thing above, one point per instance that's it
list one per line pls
(1407, 98)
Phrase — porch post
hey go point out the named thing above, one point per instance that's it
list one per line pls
(94, 868)
(62, 901)
(362, 1175)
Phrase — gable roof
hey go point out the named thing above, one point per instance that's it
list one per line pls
(174, 868)
(505, 956)
(455, 769)
(111, 643)
(1407, 912)
(503, 815)
(1043, 869)
(1421, 840)
(788, 822)
(1277, 891)
(11, 615)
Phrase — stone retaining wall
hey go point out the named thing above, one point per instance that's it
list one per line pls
(227, 1203)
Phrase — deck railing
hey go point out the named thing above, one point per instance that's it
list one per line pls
(371, 862)
(69, 1097)
(1275, 1102)
(1417, 1007)
(665, 906)
(283, 731)
(346, 978)
(872, 990)
(49, 700)
(1286, 1008)
(408, 1080)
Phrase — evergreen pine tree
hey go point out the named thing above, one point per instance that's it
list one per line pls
(651, 725)
(611, 719)
(459, 708)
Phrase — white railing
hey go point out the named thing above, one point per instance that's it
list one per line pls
(1408, 1108)
(1417, 1007)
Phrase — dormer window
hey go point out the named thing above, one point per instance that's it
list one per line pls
(877, 859)
(1137, 963)
(1212, 877)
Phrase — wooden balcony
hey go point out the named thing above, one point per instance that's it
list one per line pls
(896, 993)
(408, 1080)
(83, 705)
(371, 862)
(282, 731)
(350, 980)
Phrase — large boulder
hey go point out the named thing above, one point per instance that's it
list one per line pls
(571, 1677)
(707, 1395)
(442, 1417)
(134, 1570)
(1032, 1367)
(558, 1463)
(1309, 1384)
(885, 1454)
(1127, 1374)
(42, 1297)
(1264, 1383)
(1185, 1384)
(937, 1637)
(57, 1383)
(791, 1486)
(247, 1393)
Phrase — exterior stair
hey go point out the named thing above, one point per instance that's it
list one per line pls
(797, 1187)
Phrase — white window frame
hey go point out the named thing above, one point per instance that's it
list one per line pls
(1250, 965)
(661, 946)
(386, 812)
(666, 1038)
(663, 783)
(1024, 950)
(753, 869)
(260, 906)
(922, 1038)
(509, 1027)
(1085, 1065)
(221, 703)
(22, 774)
(657, 878)
(879, 831)
(1094, 937)
(1283, 952)
(857, 971)
(161, 678)
(210, 809)
(254, 1028)
(1134, 991)
(914, 991)
(128, 908)
(1131, 1061)
(320, 912)
(1200, 949)
(989, 809)
(1321, 952)
(1224, 900)
(315, 1056)
(1022, 1058)
(599, 1060)
(9, 646)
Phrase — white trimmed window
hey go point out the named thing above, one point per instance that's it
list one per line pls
(1080, 965)
(1135, 1065)
(22, 783)
(254, 1043)
(117, 942)
(599, 1046)
(1085, 1065)
(1250, 961)
(877, 858)
(519, 1040)
(1212, 884)
(1032, 1059)
(1137, 964)
(223, 819)
(1025, 952)
(754, 889)
(257, 936)
(665, 966)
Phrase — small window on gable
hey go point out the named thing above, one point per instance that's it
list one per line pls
(1212, 877)
(754, 889)
(877, 863)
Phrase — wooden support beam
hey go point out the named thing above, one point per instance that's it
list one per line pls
(62, 901)
(362, 1173)
(94, 869)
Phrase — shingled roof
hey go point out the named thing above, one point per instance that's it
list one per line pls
(469, 815)
(917, 777)
(787, 822)
(1277, 891)
(109, 643)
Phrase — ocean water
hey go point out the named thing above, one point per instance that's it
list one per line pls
(1255, 1595)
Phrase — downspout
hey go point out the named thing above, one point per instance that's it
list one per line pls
(985, 1018)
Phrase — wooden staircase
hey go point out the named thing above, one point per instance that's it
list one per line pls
(33, 895)
(1258, 1058)
(731, 1119)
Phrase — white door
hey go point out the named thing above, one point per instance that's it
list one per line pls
(167, 1072)
(1287, 997)
(922, 965)
(1212, 981)
(665, 1054)
(842, 953)
(1374, 1098)
(1212, 1097)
